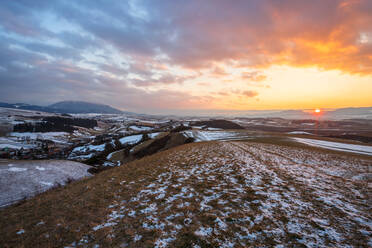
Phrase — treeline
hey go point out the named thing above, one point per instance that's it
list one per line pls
(43, 127)
(55, 124)
(80, 122)
(223, 124)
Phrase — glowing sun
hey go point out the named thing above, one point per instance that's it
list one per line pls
(317, 111)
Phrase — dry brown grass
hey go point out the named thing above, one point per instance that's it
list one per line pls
(73, 210)
(71, 213)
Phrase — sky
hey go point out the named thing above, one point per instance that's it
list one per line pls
(170, 56)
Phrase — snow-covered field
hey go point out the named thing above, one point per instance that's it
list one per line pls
(87, 151)
(140, 128)
(202, 135)
(13, 143)
(47, 135)
(300, 132)
(88, 147)
(361, 149)
(57, 137)
(21, 179)
(17, 140)
(240, 194)
(130, 140)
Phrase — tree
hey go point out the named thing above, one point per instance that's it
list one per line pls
(109, 147)
(145, 137)
(117, 144)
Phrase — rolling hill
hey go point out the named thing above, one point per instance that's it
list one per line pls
(208, 194)
(79, 107)
(70, 107)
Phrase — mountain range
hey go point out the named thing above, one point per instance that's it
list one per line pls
(80, 107)
(77, 107)
(71, 107)
(337, 114)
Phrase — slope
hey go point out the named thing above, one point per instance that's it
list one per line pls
(228, 194)
(83, 107)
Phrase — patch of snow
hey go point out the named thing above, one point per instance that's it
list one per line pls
(46, 183)
(86, 148)
(150, 208)
(361, 149)
(140, 128)
(30, 180)
(300, 132)
(104, 225)
(132, 213)
(110, 164)
(161, 243)
(204, 231)
(214, 129)
(16, 169)
(109, 157)
(220, 223)
(80, 157)
(37, 134)
(202, 135)
(13, 146)
(137, 237)
(153, 135)
(14, 143)
(131, 140)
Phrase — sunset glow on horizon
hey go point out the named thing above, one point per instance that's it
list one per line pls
(149, 56)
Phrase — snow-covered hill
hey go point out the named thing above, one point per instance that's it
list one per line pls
(208, 194)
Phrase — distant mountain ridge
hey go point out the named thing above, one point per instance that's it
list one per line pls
(70, 107)
(80, 107)
(341, 113)
(26, 106)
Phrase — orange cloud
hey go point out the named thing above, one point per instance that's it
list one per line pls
(324, 34)
(254, 76)
(250, 93)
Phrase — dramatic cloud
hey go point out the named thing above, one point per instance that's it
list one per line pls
(254, 76)
(250, 93)
(144, 54)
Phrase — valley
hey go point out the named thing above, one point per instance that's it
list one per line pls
(157, 181)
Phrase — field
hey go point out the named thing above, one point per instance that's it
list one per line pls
(20, 179)
(219, 193)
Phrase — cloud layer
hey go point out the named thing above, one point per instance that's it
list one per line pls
(144, 54)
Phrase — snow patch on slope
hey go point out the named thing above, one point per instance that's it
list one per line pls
(366, 150)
